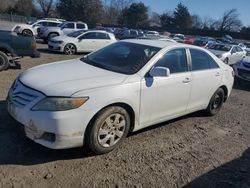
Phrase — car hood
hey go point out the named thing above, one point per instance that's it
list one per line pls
(217, 52)
(68, 77)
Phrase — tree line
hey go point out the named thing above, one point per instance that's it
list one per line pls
(127, 13)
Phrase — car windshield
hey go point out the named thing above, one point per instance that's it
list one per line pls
(122, 57)
(219, 47)
(76, 33)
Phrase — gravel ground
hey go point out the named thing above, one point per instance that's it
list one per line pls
(193, 151)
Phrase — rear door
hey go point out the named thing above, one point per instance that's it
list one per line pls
(68, 28)
(206, 79)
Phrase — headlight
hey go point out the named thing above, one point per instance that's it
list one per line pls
(59, 104)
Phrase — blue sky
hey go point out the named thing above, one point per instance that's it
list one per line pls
(211, 8)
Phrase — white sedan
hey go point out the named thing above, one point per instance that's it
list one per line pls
(124, 87)
(81, 41)
(230, 54)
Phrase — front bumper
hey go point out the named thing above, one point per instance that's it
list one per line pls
(55, 47)
(65, 128)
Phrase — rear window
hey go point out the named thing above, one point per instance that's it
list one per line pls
(220, 47)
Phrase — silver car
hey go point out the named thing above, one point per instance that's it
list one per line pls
(62, 29)
(242, 69)
(230, 54)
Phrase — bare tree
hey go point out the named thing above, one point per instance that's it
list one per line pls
(5, 5)
(230, 21)
(196, 21)
(46, 6)
(113, 9)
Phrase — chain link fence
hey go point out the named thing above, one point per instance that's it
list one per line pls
(16, 18)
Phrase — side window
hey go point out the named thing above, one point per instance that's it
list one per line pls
(69, 25)
(175, 60)
(90, 35)
(102, 36)
(239, 49)
(234, 50)
(52, 24)
(80, 26)
(202, 61)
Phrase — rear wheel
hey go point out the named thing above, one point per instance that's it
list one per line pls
(70, 49)
(216, 102)
(109, 128)
(4, 62)
(27, 32)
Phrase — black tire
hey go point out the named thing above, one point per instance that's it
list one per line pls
(226, 60)
(99, 136)
(70, 49)
(216, 102)
(4, 61)
(52, 35)
(27, 32)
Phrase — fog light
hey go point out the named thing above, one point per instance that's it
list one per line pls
(51, 137)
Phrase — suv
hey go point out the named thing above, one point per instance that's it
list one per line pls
(33, 28)
(13, 46)
(65, 28)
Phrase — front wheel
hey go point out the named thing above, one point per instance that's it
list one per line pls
(27, 32)
(109, 128)
(70, 49)
(4, 62)
(216, 102)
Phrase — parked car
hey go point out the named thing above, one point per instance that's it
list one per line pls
(242, 69)
(160, 37)
(13, 46)
(81, 41)
(230, 54)
(33, 28)
(152, 33)
(180, 36)
(130, 34)
(227, 39)
(179, 40)
(62, 29)
(202, 41)
(188, 40)
(124, 87)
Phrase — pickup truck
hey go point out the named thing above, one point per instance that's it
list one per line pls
(13, 47)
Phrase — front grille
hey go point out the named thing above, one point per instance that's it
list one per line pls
(244, 73)
(20, 95)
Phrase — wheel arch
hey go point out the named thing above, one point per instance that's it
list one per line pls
(225, 92)
(126, 106)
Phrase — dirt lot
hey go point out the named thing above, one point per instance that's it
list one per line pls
(193, 151)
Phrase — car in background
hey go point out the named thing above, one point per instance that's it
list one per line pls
(188, 40)
(179, 40)
(229, 54)
(62, 29)
(152, 33)
(203, 41)
(81, 41)
(130, 34)
(160, 38)
(243, 46)
(98, 99)
(242, 69)
(181, 36)
(13, 47)
(227, 39)
(33, 28)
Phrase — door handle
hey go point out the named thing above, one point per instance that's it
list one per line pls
(186, 80)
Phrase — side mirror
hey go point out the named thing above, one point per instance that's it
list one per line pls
(159, 72)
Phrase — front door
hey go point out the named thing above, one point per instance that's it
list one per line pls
(163, 98)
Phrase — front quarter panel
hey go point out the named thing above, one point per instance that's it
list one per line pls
(128, 93)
